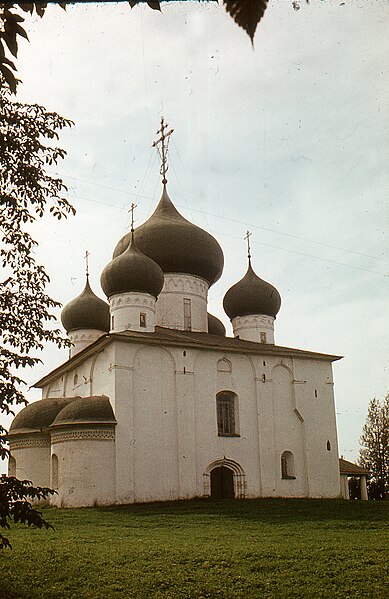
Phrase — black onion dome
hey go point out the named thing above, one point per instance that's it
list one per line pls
(251, 295)
(177, 245)
(95, 409)
(87, 311)
(132, 271)
(215, 326)
(38, 415)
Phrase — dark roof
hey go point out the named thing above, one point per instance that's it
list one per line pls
(215, 326)
(38, 415)
(166, 337)
(351, 469)
(87, 311)
(176, 244)
(95, 409)
(251, 295)
(132, 271)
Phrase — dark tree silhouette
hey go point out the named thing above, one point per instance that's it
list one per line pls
(27, 191)
(374, 455)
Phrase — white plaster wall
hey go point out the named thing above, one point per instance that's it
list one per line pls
(155, 432)
(32, 455)
(93, 377)
(125, 309)
(318, 410)
(170, 303)
(250, 328)
(86, 467)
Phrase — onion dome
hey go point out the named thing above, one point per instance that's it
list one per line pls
(95, 409)
(132, 271)
(215, 326)
(38, 415)
(87, 311)
(251, 295)
(177, 245)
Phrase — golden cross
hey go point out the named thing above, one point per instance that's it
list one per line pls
(164, 141)
(87, 254)
(133, 206)
(248, 235)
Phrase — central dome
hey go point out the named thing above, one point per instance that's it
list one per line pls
(177, 245)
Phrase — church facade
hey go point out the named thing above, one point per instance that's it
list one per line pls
(156, 403)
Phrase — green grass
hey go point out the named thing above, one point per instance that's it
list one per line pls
(269, 548)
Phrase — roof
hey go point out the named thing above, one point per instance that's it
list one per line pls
(38, 415)
(350, 469)
(94, 409)
(174, 338)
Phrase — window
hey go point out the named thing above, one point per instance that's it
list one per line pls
(287, 465)
(226, 408)
(315, 392)
(262, 337)
(142, 319)
(187, 315)
(113, 322)
(11, 466)
(328, 445)
(75, 380)
(54, 471)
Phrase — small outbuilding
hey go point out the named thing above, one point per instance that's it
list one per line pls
(349, 470)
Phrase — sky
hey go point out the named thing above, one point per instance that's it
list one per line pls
(288, 139)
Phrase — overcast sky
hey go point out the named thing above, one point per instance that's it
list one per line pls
(289, 139)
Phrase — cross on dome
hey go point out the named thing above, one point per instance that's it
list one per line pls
(247, 237)
(87, 254)
(163, 148)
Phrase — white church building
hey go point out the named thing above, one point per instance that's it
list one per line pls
(156, 403)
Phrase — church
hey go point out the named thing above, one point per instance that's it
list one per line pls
(156, 403)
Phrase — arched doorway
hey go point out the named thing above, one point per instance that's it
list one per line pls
(222, 483)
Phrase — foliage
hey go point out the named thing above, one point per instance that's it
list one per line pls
(374, 455)
(27, 133)
(268, 548)
(15, 505)
(246, 13)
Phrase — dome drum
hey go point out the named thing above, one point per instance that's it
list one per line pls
(255, 327)
(132, 311)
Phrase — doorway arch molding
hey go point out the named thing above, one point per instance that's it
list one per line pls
(238, 472)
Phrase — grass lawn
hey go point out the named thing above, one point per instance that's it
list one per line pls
(190, 549)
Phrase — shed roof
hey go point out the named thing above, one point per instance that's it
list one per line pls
(350, 469)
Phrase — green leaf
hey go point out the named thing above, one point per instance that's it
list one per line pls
(246, 13)
(9, 78)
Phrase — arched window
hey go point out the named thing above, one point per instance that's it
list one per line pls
(287, 465)
(11, 466)
(328, 445)
(227, 414)
(54, 471)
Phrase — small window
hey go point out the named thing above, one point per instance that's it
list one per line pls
(264, 363)
(184, 353)
(315, 392)
(262, 337)
(287, 465)
(54, 471)
(113, 322)
(187, 315)
(328, 445)
(11, 466)
(226, 408)
(75, 380)
(142, 319)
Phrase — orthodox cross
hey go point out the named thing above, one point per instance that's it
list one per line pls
(87, 254)
(133, 206)
(163, 149)
(248, 235)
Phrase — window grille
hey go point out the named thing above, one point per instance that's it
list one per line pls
(187, 315)
(225, 405)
